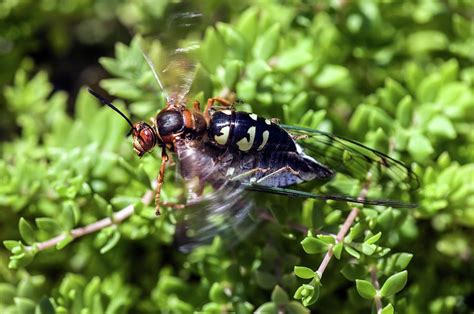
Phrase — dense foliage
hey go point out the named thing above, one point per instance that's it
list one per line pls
(397, 76)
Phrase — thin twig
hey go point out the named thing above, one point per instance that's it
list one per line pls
(344, 229)
(117, 218)
(375, 282)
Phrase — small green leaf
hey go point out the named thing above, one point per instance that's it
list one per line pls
(24, 305)
(26, 231)
(121, 88)
(303, 272)
(45, 307)
(352, 251)
(462, 25)
(257, 69)
(405, 111)
(296, 308)
(67, 217)
(368, 249)
(442, 127)
(47, 224)
(11, 244)
(313, 245)
(355, 232)
(233, 69)
(420, 147)
(7, 293)
(111, 242)
(337, 250)
(212, 50)
(217, 294)
(388, 309)
(269, 307)
(331, 75)
(365, 289)
(425, 41)
(247, 90)
(100, 201)
(19, 261)
(333, 217)
(85, 107)
(312, 295)
(267, 44)
(247, 25)
(429, 88)
(298, 292)
(279, 296)
(91, 291)
(373, 238)
(292, 59)
(394, 284)
(62, 244)
(327, 238)
(401, 260)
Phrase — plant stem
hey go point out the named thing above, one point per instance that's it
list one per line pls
(117, 218)
(375, 282)
(344, 229)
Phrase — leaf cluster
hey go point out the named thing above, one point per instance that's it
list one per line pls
(396, 77)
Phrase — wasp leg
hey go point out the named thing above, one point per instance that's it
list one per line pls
(197, 105)
(210, 104)
(300, 137)
(159, 180)
(172, 205)
(277, 172)
(249, 173)
(224, 102)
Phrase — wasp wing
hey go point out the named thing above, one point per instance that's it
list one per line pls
(353, 162)
(174, 64)
(215, 206)
(353, 159)
(224, 212)
(340, 198)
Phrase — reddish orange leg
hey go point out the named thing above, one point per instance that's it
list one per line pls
(159, 183)
(197, 105)
(172, 205)
(210, 104)
(159, 180)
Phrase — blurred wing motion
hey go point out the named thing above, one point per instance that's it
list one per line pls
(224, 210)
(173, 66)
(175, 73)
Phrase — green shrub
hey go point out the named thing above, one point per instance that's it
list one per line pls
(396, 76)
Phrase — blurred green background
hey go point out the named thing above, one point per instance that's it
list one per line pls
(395, 75)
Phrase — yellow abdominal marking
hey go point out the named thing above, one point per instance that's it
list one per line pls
(265, 135)
(253, 116)
(227, 112)
(244, 144)
(268, 122)
(222, 139)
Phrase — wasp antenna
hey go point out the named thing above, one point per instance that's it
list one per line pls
(108, 103)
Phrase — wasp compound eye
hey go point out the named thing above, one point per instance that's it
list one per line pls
(144, 138)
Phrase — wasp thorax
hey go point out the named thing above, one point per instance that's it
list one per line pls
(169, 122)
(144, 138)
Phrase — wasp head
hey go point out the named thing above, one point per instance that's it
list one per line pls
(144, 135)
(144, 138)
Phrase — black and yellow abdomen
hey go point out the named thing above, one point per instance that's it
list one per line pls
(248, 133)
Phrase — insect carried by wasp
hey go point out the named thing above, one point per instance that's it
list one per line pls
(220, 146)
